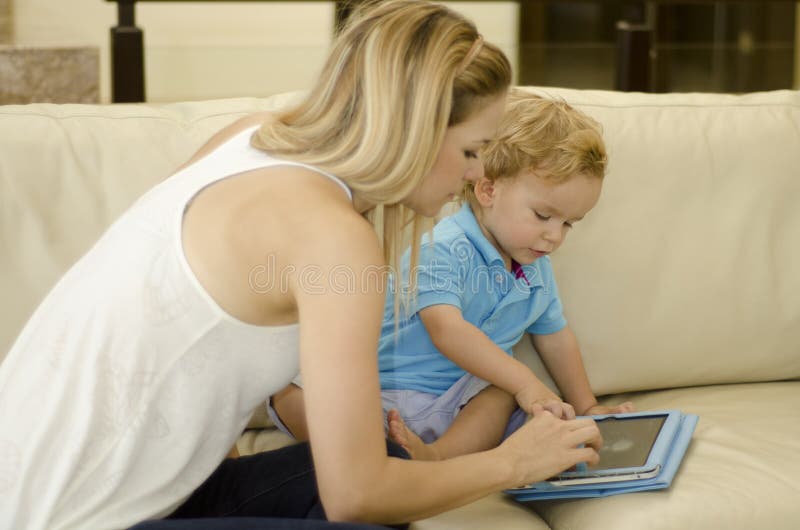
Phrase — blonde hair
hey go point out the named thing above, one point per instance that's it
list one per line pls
(544, 135)
(395, 79)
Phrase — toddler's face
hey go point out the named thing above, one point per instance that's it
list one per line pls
(528, 217)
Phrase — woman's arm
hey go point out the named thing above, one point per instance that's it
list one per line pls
(339, 331)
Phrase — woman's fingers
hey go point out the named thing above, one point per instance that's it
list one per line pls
(587, 455)
(547, 445)
(576, 432)
(586, 432)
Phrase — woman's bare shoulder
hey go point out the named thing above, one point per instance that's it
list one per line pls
(289, 209)
(320, 216)
(224, 134)
(299, 221)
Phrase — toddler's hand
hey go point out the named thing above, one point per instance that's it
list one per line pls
(557, 408)
(603, 409)
(528, 399)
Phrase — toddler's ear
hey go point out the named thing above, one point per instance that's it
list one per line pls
(484, 191)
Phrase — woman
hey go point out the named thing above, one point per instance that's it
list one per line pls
(256, 259)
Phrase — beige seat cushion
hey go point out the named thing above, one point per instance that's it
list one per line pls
(741, 467)
(495, 512)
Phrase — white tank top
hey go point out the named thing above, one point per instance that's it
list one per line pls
(129, 384)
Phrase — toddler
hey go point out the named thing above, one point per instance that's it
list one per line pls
(449, 382)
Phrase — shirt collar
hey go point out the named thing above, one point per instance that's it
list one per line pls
(465, 218)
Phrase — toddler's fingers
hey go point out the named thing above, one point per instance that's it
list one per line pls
(537, 410)
(554, 408)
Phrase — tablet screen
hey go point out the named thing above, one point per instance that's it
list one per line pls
(627, 441)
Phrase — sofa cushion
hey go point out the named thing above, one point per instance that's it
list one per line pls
(495, 512)
(740, 472)
(687, 261)
(685, 273)
(68, 171)
(741, 467)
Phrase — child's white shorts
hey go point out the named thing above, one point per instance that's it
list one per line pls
(430, 415)
(426, 414)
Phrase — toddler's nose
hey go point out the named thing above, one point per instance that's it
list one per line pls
(554, 236)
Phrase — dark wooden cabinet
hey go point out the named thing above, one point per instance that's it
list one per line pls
(650, 46)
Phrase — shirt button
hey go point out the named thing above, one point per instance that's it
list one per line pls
(498, 278)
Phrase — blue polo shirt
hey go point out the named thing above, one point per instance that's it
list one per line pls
(460, 267)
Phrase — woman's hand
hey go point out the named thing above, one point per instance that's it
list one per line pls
(546, 446)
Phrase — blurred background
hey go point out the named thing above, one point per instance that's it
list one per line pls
(61, 50)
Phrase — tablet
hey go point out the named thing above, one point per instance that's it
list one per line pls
(635, 446)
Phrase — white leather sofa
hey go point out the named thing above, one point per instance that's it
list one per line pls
(683, 285)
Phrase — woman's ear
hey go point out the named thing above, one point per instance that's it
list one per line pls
(484, 191)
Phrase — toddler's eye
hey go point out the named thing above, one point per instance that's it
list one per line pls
(568, 224)
(541, 217)
(471, 154)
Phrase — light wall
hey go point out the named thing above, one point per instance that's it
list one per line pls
(49, 23)
(215, 50)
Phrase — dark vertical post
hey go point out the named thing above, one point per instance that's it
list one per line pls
(634, 42)
(532, 43)
(127, 56)
(665, 31)
(751, 71)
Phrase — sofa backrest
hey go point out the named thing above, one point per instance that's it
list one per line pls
(686, 272)
(67, 171)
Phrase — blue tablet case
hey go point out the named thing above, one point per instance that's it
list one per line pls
(673, 458)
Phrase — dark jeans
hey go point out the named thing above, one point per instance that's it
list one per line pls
(276, 490)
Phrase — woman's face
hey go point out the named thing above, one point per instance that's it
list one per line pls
(458, 160)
